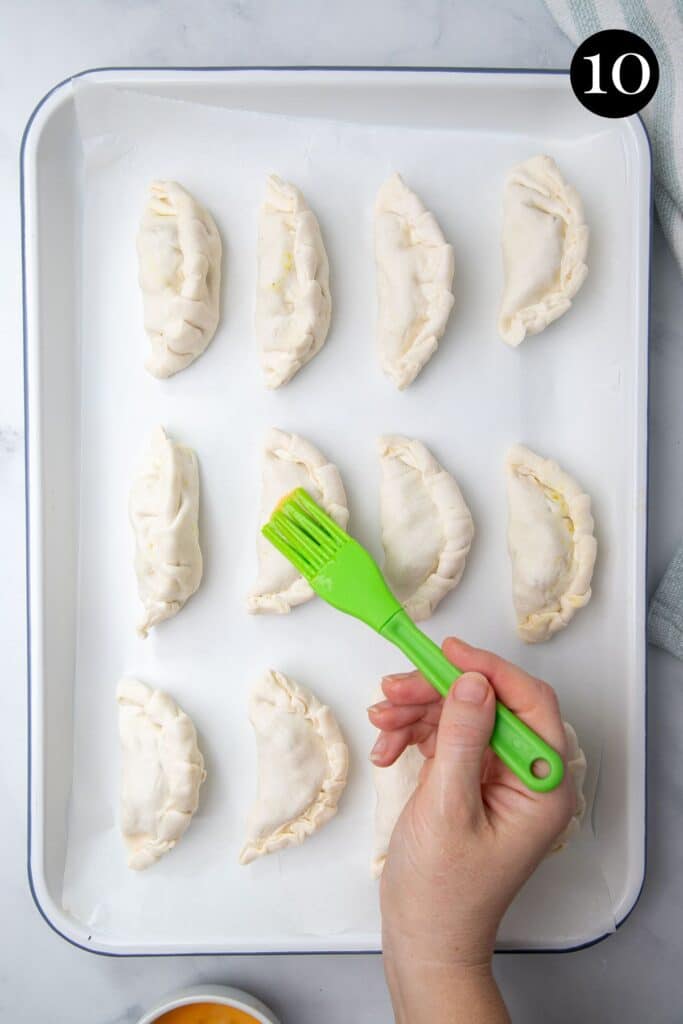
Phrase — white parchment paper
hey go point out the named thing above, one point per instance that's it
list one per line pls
(474, 398)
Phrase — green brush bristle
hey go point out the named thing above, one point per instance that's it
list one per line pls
(303, 533)
(273, 532)
(302, 501)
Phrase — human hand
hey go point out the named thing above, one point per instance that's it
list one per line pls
(472, 833)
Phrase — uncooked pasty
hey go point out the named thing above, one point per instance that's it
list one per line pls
(427, 528)
(293, 301)
(289, 462)
(164, 509)
(551, 544)
(576, 763)
(394, 786)
(162, 770)
(414, 281)
(179, 256)
(302, 766)
(545, 242)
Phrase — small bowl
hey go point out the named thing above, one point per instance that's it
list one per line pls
(221, 995)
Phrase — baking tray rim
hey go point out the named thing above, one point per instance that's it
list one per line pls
(53, 915)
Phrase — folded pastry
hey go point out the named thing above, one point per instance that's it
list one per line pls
(551, 544)
(427, 528)
(576, 762)
(545, 242)
(179, 259)
(289, 462)
(414, 281)
(302, 766)
(162, 770)
(164, 511)
(293, 303)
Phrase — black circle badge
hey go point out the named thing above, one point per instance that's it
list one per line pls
(614, 73)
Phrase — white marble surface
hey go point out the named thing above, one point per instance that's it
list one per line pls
(633, 976)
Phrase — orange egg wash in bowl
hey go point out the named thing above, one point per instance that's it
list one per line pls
(206, 1013)
(210, 1004)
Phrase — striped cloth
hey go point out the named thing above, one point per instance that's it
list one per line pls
(660, 23)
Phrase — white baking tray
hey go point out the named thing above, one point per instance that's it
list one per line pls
(577, 393)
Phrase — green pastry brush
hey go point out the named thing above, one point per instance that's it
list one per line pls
(347, 577)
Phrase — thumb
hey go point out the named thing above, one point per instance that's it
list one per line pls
(464, 732)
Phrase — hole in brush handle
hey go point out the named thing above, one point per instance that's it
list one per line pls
(521, 750)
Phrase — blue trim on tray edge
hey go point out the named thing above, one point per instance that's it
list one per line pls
(283, 67)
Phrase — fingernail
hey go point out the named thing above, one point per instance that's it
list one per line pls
(379, 749)
(472, 689)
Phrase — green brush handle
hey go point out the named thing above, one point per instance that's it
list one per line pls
(515, 743)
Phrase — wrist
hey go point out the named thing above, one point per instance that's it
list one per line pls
(435, 947)
(432, 993)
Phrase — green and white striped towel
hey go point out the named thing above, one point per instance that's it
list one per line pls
(660, 22)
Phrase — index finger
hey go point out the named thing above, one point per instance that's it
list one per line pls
(409, 688)
(532, 699)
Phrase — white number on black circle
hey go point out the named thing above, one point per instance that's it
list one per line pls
(595, 66)
(644, 74)
(595, 89)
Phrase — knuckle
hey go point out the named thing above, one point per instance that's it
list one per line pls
(462, 734)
